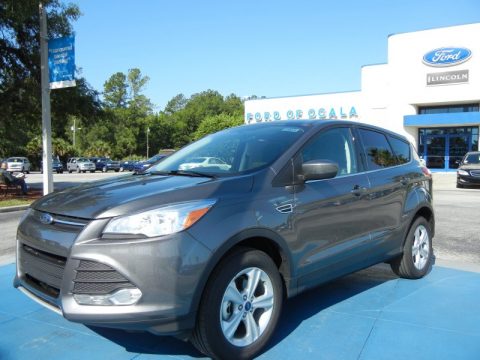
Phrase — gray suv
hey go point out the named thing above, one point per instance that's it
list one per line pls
(210, 253)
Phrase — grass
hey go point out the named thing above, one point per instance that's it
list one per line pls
(14, 199)
(15, 202)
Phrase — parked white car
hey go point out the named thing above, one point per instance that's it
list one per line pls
(205, 162)
(18, 164)
(80, 164)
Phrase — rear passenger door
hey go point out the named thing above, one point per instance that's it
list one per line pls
(389, 181)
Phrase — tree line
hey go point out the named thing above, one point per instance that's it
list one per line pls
(116, 125)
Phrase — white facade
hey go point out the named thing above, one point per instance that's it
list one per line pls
(391, 94)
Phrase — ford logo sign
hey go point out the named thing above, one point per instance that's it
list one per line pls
(46, 219)
(447, 56)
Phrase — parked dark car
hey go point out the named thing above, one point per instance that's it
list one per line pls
(128, 165)
(210, 253)
(57, 166)
(468, 172)
(141, 166)
(105, 164)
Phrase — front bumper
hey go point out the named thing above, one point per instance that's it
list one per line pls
(468, 180)
(57, 261)
(87, 168)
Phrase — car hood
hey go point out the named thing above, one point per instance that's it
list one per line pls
(470, 167)
(128, 194)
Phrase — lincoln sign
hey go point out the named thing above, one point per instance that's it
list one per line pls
(449, 77)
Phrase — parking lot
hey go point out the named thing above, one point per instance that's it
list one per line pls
(371, 314)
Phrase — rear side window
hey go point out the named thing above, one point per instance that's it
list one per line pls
(401, 149)
(377, 150)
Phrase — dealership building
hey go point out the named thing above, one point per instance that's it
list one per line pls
(429, 90)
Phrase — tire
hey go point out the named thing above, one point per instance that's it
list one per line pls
(417, 256)
(459, 186)
(84, 171)
(92, 171)
(69, 171)
(228, 298)
(117, 170)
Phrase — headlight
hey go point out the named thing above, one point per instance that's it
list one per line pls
(162, 221)
(463, 172)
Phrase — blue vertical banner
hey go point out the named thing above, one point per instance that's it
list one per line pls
(61, 62)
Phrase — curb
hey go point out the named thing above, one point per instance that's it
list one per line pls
(13, 208)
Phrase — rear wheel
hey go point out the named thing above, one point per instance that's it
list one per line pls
(417, 252)
(240, 306)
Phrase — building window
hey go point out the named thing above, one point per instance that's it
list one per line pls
(448, 109)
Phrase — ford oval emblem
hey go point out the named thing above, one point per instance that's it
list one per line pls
(46, 219)
(447, 56)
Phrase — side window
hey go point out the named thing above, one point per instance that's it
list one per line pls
(377, 149)
(401, 149)
(334, 145)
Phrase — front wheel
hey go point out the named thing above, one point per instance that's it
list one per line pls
(240, 306)
(417, 251)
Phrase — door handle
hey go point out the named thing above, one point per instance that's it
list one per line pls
(358, 190)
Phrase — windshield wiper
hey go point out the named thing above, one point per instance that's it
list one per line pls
(183, 173)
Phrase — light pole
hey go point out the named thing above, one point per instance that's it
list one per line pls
(148, 131)
(74, 129)
(46, 118)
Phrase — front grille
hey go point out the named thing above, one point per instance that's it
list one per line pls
(42, 270)
(98, 279)
(475, 173)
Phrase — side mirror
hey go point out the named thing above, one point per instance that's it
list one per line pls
(319, 169)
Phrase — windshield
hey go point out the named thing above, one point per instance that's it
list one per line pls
(472, 159)
(82, 160)
(233, 151)
(155, 158)
(14, 160)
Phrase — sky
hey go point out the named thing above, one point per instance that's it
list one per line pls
(266, 48)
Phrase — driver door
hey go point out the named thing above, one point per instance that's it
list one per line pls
(329, 217)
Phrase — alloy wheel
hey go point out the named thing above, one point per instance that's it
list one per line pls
(247, 306)
(421, 247)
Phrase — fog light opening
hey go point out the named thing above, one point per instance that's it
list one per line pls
(121, 297)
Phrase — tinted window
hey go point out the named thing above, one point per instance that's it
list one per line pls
(472, 159)
(378, 151)
(401, 149)
(335, 145)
